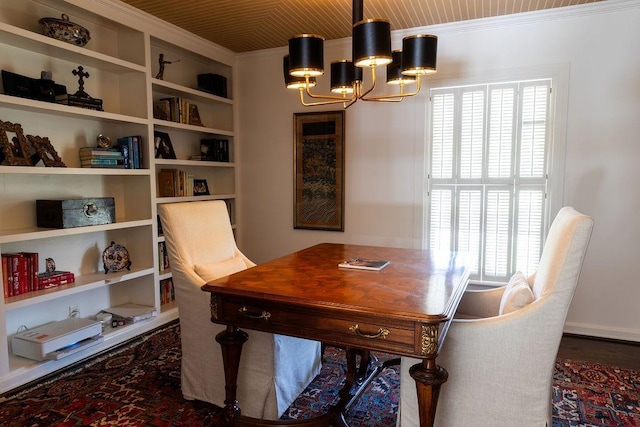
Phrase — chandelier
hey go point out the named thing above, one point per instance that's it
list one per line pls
(371, 48)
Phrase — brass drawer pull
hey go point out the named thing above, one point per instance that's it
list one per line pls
(264, 315)
(382, 332)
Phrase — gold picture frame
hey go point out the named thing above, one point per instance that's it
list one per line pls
(319, 171)
(13, 145)
(45, 151)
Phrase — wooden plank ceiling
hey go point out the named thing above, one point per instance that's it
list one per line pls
(247, 25)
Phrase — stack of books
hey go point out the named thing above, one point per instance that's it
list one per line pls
(97, 157)
(20, 275)
(132, 313)
(175, 183)
(131, 148)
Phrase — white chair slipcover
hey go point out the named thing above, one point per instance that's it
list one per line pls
(501, 366)
(274, 369)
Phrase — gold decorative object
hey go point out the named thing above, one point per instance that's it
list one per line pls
(430, 340)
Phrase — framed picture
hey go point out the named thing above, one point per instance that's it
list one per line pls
(45, 151)
(200, 187)
(194, 115)
(319, 171)
(163, 147)
(13, 145)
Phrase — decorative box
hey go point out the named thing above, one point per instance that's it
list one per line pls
(213, 83)
(75, 212)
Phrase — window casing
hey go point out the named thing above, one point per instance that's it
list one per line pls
(488, 174)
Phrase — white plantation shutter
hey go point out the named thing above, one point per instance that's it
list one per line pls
(488, 175)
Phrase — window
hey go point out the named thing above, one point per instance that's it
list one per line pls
(488, 173)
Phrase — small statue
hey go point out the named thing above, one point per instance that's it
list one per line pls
(162, 64)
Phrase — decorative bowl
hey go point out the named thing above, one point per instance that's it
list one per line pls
(65, 30)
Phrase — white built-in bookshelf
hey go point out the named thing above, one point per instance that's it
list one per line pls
(122, 60)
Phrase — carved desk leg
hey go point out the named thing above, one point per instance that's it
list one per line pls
(428, 376)
(231, 340)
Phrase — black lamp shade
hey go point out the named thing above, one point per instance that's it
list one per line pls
(371, 43)
(306, 56)
(293, 82)
(342, 76)
(394, 71)
(419, 54)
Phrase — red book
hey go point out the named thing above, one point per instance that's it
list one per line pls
(32, 270)
(7, 279)
(46, 281)
(19, 273)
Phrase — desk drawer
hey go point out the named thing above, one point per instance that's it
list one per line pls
(329, 325)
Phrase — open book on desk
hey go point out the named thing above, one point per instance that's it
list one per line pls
(364, 264)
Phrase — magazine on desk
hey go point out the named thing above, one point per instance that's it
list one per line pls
(364, 264)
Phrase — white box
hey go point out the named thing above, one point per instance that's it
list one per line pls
(43, 340)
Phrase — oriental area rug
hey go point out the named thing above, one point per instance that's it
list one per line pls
(138, 384)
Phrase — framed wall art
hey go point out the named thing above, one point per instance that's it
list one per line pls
(14, 148)
(319, 171)
(45, 151)
(163, 146)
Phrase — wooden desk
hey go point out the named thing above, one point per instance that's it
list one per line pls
(404, 309)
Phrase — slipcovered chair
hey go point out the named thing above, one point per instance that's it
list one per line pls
(501, 348)
(274, 369)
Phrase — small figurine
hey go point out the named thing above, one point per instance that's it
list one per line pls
(103, 141)
(50, 265)
(162, 64)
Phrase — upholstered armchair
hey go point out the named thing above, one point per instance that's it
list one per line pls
(501, 348)
(274, 369)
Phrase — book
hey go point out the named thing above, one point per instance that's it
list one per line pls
(92, 152)
(100, 162)
(364, 264)
(19, 272)
(7, 279)
(132, 312)
(166, 183)
(131, 149)
(54, 279)
(32, 259)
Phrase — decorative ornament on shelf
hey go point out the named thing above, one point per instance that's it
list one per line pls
(115, 258)
(65, 30)
(50, 266)
(80, 98)
(103, 141)
(162, 62)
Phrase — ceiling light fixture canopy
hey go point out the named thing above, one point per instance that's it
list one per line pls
(371, 48)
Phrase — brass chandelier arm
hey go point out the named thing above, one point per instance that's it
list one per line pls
(395, 97)
(334, 100)
(332, 97)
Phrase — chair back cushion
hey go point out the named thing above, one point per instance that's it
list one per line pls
(212, 271)
(517, 294)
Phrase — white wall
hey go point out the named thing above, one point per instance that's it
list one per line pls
(597, 44)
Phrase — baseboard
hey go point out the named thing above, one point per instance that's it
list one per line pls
(620, 334)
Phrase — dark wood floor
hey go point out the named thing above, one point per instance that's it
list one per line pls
(624, 354)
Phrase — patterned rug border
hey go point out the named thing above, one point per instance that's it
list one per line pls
(83, 364)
